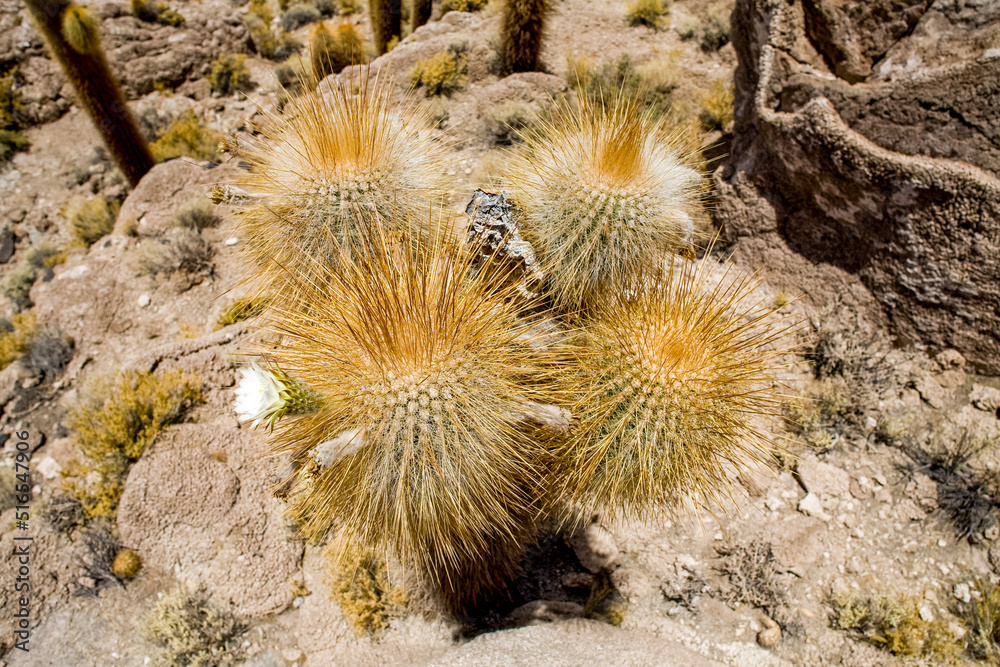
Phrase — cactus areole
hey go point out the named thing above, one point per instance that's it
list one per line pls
(96, 90)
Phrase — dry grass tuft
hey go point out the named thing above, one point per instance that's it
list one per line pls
(648, 12)
(186, 136)
(229, 74)
(92, 218)
(359, 582)
(676, 382)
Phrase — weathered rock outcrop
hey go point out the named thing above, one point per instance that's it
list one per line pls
(865, 162)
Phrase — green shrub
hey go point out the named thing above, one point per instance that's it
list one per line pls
(504, 121)
(195, 632)
(37, 261)
(92, 218)
(159, 12)
(240, 310)
(12, 141)
(717, 105)
(188, 137)
(441, 74)
(229, 75)
(895, 625)
(648, 12)
(360, 584)
(14, 343)
(299, 15)
(715, 29)
(198, 214)
(182, 251)
(114, 420)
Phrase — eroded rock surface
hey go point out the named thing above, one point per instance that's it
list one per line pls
(874, 183)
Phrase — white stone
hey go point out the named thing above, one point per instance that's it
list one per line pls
(48, 467)
(232, 240)
(962, 592)
(811, 506)
(144, 300)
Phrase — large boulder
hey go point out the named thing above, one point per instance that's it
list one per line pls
(865, 161)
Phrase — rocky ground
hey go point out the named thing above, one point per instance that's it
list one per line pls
(888, 487)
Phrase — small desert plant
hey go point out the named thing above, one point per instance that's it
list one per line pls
(195, 631)
(604, 192)
(717, 105)
(672, 372)
(47, 354)
(715, 29)
(462, 5)
(187, 136)
(156, 12)
(37, 263)
(387, 23)
(229, 74)
(648, 12)
(521, 35)
(441, 74)
(894, 624)
(12, 141)
(92, 218)
(14, 341)
(11, 110)
(116, 417)
(348, 7)
(753, 575)
(326, 169)
(330, 51)
(299, 15)
(506, 121)
(197, 214)
(294, 76)
(449, 382)
(182, 251)
(359, 582)
(660, 75)
(64, 512)
(71, 33)
(126, 564)
(240, 310)
(101, 546)
(983, 621)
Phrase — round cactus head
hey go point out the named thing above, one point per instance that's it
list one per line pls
(324, 170)
(605, 192)
(425, 372)
(675, 394)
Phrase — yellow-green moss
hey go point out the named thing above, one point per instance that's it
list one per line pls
(114, 420)
(229, 74)
(239, 310)
(441, 74)
(648, 12)
(359, 583)
(195, 632)
(90, 218)
(186, 136)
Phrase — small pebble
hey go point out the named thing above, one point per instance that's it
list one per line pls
(232, 240)
(144, 300)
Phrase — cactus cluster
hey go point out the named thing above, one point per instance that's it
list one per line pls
(436, 411)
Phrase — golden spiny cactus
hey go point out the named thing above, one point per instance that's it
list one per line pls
(605, 192)
(426, 374)
(675, 382)
(325, 170)
(330, 51)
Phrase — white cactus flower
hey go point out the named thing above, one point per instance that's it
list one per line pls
(258, 395)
